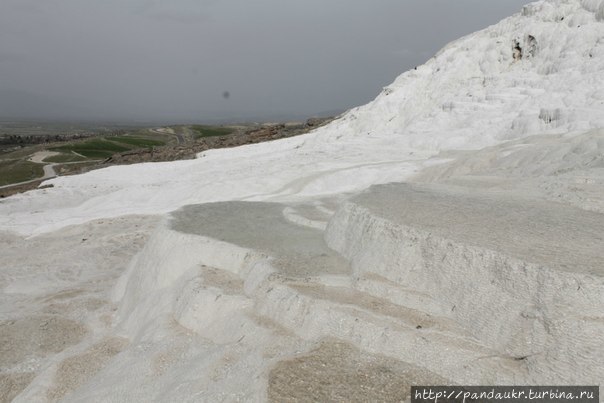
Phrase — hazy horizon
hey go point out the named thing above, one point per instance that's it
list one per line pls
(148, 61)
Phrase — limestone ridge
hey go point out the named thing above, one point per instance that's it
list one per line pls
(538, 71)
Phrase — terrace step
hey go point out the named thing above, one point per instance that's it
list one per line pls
(314, 311)
(524, 277)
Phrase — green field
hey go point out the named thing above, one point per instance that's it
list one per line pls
(24, 152)
(65, 157)
(96, 148)
(137, 141)
(14, 171)
(74, 155)
(200, 131)
(104, 147)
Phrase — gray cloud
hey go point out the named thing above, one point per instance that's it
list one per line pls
(158, 60)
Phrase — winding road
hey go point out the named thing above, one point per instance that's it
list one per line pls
(49, 168)
(180, 138)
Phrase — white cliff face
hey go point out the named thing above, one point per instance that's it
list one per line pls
(490, 274)
(536, 72)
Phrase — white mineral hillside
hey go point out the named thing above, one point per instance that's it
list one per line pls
(450, 231)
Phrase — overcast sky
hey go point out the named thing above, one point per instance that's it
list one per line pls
(123, 60)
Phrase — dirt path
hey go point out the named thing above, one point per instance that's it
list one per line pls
(180, 139)
(49, 168)
(38, 158)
